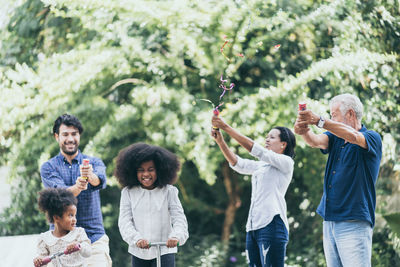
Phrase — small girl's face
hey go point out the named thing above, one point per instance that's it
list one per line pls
(147, 175)
(67, 222)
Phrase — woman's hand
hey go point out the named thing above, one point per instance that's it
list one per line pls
(218, 122)
(172, 242)
(143, 243)
(217, 135)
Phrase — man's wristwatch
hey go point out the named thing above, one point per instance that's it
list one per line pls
(321, 122)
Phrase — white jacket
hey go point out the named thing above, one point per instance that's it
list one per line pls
(155, 215)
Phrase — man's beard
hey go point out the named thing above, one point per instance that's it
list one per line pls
(69, 152)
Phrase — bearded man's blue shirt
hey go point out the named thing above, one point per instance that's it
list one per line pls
(59, 173)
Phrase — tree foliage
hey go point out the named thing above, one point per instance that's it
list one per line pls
(136, 71)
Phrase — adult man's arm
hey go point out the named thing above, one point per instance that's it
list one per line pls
(314, 140)
(52, 178)
(341, 130)
(349, 134)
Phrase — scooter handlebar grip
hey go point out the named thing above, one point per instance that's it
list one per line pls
(45, 261)
(76, 248)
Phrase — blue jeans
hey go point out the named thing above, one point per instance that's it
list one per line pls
(167, 260)
(266, 247)
(347, 243)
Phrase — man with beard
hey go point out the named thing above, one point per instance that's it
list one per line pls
(67, 171)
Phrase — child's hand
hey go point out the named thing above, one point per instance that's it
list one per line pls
(143, 243)
(172, 242)
(71, 247)
(37, 262)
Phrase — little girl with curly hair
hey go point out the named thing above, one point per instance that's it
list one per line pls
(150, 210)
(59, 205)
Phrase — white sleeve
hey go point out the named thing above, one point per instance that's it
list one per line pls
(282, 162)
(178, 218)
(245, 166)
(42, 249)
(86, 247)
(126, 224)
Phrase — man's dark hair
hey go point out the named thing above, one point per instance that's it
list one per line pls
(130, 158)
(68, 120)
(54, 201)
(287, 136)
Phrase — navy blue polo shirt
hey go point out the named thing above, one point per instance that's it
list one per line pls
(350, 176)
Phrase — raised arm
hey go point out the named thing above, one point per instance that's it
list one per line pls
(341, 130)
(346, 132)
(228, 154)
(314, 140)
(244, 141)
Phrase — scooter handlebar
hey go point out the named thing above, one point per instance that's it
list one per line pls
(76, 248)
(49, 258)
(159, 244)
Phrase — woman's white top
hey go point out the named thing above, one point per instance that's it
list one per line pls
(154, 215)
(48, 244)
(271, 176)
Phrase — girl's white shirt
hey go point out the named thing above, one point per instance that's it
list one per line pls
(155, 215)
(48, 244)
(271, 176)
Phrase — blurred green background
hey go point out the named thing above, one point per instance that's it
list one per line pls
(135, 70)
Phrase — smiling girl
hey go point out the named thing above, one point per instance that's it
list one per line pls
(150, 210)
(59, 205)
(267, 226)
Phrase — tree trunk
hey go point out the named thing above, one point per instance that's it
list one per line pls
(230, 182)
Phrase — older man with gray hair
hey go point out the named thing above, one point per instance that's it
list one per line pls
(349, 199)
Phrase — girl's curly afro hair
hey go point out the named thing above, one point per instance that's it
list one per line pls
(130, 158)
(54, 201)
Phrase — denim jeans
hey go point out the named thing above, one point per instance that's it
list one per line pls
(347, 243)
(167, 260)
(266, 247)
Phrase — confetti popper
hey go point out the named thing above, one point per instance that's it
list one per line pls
(216, 113)
(85, 162)
(302, 106)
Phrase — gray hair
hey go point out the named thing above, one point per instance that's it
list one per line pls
(347, 102)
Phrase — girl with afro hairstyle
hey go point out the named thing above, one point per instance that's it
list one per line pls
(59, 205)
(150, 210)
